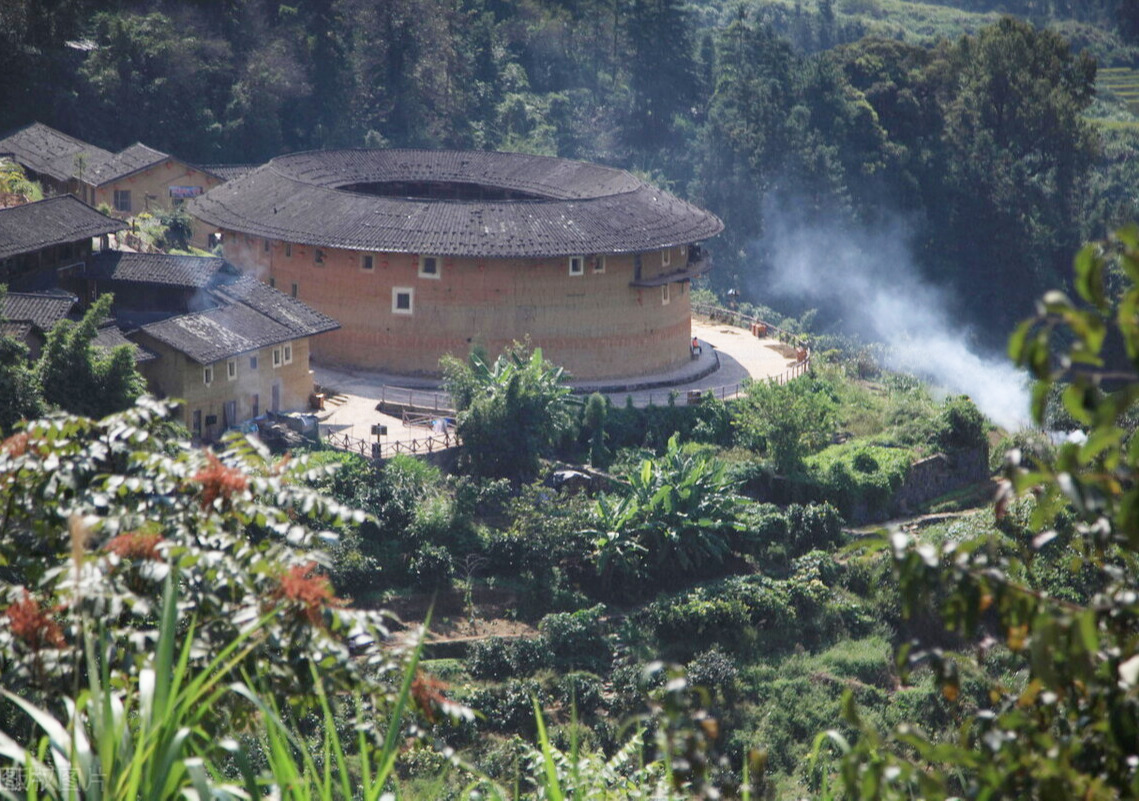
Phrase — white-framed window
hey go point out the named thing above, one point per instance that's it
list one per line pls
(666, 257)
(429, 267)
(289, 249)
(231, 369)
(403, 300)
(598, 264)
(287, 352)
(576, 265)
(276, 358)
(318, 256)
(367, 262)
(122, 200)
(665, 298)
(208, 375)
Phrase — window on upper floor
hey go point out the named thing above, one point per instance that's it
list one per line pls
(577, 265)
(666, 257)
(429, 267)
(231, 369)
(367, 262)
(207, 375)
(122, 200)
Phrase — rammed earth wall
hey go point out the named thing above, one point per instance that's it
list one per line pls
(592, 323)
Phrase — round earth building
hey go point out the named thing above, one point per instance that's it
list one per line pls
(420, 253)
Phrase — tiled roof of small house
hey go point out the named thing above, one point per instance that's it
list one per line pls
(560, 207)
(298, 317)
(126, 162)
(55, 221)
(191, 272)
(214, 334)
(39, 309)
(110, 336)
(43, 149)
(249, 315)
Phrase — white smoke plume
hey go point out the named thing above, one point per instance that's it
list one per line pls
(867, 280)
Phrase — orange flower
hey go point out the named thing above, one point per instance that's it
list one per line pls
(219, 481)
(311, 592)
(135, 545)
(34, 625)
(16, 445)
(427, 692)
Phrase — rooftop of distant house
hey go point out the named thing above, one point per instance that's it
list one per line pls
(49, 152)
(59, 220)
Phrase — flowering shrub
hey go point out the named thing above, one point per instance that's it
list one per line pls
(95, 515)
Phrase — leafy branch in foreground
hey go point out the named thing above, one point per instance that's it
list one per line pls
(1061, 719)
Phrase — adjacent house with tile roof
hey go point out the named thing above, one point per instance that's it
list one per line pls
(28, 316)
(136, 179)
(229, 346)
(420, 253)
(42, 243)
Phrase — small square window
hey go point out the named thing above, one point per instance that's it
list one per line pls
(403, 300)
(598, 264)
(367, 262)
(276, 357)
(428, 266)
(664, 295)
(252, 362)
(295, 290)
(231, 369)
(666, 257)
(289, 249)
(318, 256)
(122, 200)
(576, 265)
(288, 353)
(207, 375)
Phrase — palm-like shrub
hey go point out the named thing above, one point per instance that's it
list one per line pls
(510, 412)
(676, 519)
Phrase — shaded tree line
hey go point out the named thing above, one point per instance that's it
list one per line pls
(980, 140)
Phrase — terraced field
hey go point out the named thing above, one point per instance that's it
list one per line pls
(1121, 83)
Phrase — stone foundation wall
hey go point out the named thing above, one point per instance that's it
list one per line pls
(940, 474)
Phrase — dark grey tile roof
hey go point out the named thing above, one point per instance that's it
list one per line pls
(50, 152)
(220, 333)
(294, 315)
(32, 226)
(41, 309)
(111, 336)
(248, 314)
(191, 272)
(126, 162)
(575, 207)
(227, 172)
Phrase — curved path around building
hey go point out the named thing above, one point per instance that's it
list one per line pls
(354, 394)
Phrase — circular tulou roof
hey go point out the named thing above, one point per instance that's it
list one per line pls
(570, 207)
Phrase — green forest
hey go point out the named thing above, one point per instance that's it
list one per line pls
(990, 136)
(736, 604)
